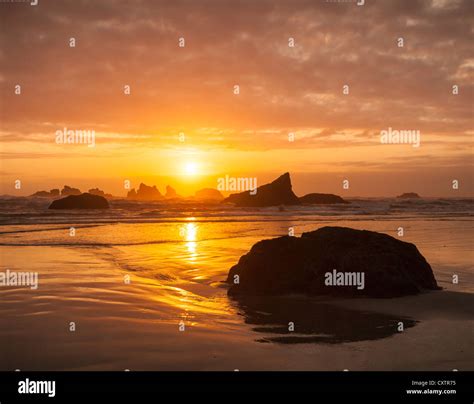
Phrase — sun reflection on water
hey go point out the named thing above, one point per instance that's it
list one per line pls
(190, 236)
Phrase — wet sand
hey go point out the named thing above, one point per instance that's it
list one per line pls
(136, 325)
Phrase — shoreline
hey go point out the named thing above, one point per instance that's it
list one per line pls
(136, 326)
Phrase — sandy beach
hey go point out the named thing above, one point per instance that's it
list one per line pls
(128, 298)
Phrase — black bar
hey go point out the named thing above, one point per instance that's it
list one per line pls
(223, 387)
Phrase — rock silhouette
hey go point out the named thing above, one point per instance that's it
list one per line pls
(278, 192)
(97, 191)
(208, 194)
(67, 190)
(321, 199)
(84, 201)
(170, 192)
(145, 193)
(286, 265)
(408, 195)
(53, 193)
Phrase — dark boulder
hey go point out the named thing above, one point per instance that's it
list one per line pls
(84, 201)
(278, 192)
(321, 199)
(284, 265)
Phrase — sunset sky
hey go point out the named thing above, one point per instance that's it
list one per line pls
(283, 90)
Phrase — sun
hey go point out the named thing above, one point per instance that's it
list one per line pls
(191, 168)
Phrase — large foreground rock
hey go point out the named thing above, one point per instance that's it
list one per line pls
(84, 201)
(321, 199)
(300, 265)
(278, 192)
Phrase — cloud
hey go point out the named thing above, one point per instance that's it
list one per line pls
(282, 89)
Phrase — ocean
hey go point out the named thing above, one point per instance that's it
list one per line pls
(141, 287)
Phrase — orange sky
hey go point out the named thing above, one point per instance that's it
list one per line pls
(283, 90)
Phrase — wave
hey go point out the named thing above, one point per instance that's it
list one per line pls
(98, 244)
(32, 212)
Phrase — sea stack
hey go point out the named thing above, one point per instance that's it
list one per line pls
(208, 194)
(278, 192)
(409, 195)
(171, 193)
(145, 193)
